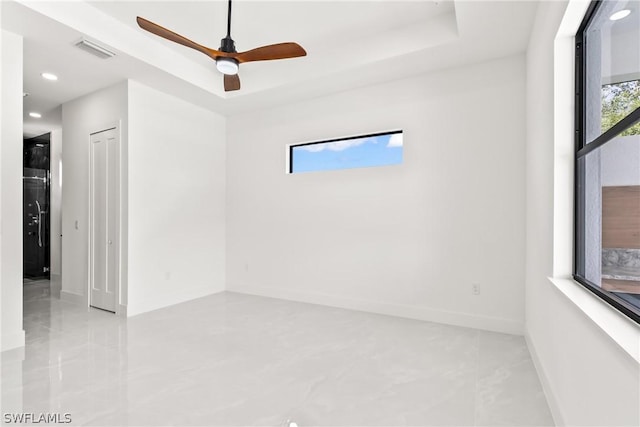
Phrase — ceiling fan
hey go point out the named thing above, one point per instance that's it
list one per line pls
(227, 58)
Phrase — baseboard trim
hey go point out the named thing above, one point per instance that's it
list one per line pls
(12, 341)
(121, 310)
(167, 300)
(493, 324)
(72, 297)
(558, 419)
(55, 283)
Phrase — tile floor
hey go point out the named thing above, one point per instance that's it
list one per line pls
(232, 359)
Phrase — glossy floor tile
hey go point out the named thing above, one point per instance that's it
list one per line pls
(232, 359)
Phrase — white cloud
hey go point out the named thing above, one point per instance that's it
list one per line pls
(395, 140)
(313, 148)
(343, 145)
(337, 145)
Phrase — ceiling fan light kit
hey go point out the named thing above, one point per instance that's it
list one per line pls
(227, 66)
(227, 59)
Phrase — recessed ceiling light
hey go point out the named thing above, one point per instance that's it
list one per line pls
(49, 76)
(35, 115)
(620, 14)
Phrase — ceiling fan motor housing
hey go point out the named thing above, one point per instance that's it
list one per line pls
(227, 45)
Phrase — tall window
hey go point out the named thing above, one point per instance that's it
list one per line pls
(607, 246)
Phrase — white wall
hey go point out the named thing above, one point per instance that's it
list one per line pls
(11, 192)
(81, 117)
(1, 192)
(176, 200)
(589, 379)
(172, 196)
(55, 208)
(407, 240)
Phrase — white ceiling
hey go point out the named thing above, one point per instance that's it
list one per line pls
(349, 44)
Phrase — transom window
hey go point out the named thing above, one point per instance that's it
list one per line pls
(379, 149)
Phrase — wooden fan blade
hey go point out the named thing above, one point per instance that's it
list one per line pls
(177, 38)
(231, 82)
(273, 51)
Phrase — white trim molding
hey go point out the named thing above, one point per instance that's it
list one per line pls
(73, 298)
(11, 341)
(622, 330)
(486, 323)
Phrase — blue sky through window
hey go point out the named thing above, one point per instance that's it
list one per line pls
(379, 150)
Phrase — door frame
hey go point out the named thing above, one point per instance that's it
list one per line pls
(35, 140)
(120, 308)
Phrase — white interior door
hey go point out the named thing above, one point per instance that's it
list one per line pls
(103, 215)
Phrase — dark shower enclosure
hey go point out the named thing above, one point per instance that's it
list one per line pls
(36, 179)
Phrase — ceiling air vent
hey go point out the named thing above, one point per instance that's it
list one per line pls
(94, 49)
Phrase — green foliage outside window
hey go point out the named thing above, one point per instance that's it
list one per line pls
(618, 100)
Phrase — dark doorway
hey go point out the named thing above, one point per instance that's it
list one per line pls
(36, 179)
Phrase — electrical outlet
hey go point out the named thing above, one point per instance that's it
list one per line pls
(475, 289)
